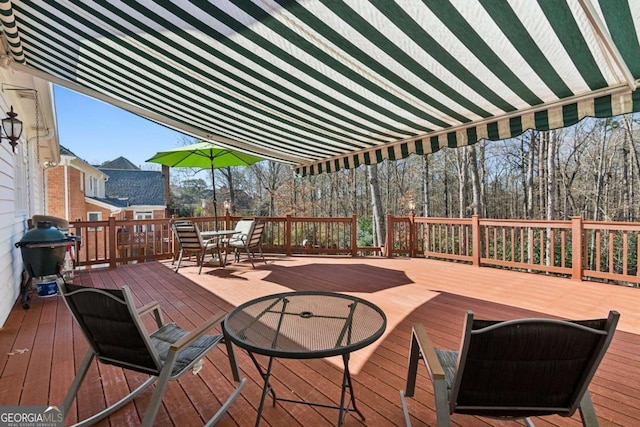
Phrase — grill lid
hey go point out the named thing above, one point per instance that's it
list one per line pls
(43, 233)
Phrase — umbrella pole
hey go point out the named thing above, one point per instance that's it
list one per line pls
(215, 202)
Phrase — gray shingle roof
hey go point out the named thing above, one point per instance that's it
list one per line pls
(119, 163)
(118, 203)
(138, 186)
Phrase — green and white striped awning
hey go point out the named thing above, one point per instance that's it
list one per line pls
(336, 84)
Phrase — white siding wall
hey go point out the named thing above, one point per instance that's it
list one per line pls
(21, 185)
(14, 212)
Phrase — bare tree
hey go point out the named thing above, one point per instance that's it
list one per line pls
(378, 221)
(462, 168)
(476, 185)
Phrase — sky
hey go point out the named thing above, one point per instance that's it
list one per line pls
(97, 132)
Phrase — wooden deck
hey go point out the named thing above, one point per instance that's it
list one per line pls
(40, 346)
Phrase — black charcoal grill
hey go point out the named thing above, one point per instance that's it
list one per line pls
(43, 250)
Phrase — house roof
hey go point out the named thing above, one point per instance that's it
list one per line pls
(331, 85)
(64, 151)
(136, 187)
(119, 163)
(118, 203)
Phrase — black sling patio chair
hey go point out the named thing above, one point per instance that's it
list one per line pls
(116, 335)
(513, 369)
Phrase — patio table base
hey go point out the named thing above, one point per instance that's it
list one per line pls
(346, 385)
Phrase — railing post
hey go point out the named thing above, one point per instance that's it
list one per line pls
(388, 243)
(287, 232)
(476, 240)
(577, 234)
(112, 242)
(354, 235)
(412, 234)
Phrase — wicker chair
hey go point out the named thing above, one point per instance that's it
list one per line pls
(513, 369)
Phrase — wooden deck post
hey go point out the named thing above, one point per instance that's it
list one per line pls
(354, 235)
(412, 234)
(112, 242)
(576, 248)
(476, 241)
(287, 235)
(388, 244)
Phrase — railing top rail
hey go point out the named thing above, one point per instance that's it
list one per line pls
(526, 223)
(437, 220)
(617, 226)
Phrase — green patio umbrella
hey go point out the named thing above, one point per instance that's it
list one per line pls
(204, 155)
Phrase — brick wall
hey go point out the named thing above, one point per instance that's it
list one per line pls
(56, 195)
(55, 192)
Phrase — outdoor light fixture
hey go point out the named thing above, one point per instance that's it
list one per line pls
(12, 128)
(412, 206)
(226, 205)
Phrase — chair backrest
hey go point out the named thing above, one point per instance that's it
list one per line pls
(528, 367)
(188, 235)
(255, 238)
(244, 227)
(110, 322)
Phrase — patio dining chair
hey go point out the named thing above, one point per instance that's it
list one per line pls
(243, 228)
(513, 369)
(117, 336)
(248, 243)
(190, 242)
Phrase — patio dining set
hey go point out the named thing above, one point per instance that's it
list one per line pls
(509, 369)
(245, 238)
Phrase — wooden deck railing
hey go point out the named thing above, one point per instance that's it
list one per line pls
(606, 251)
(116, 242)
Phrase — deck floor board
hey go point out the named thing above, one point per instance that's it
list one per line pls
(433, 293)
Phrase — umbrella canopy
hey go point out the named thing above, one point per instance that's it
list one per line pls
(204, 155)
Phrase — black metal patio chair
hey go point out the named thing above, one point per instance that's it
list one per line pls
(513, 369)
(117, 336)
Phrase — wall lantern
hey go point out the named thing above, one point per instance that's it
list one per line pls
(12, 128)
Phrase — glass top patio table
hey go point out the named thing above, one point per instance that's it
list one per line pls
(305, 325)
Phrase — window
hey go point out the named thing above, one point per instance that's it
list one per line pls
(94, 216)
(142, 215)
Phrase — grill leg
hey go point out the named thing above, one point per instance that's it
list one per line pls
(24, 289)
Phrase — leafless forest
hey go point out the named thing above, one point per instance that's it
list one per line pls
(591, 169)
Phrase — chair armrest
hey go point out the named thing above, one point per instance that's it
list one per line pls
(157, 314)
(428, 352)
(198, 332)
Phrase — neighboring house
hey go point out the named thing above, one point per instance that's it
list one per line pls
(143, 191)
(22, 172)
(78, 191)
